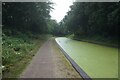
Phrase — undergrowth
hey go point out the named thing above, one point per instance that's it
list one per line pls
(17, 51)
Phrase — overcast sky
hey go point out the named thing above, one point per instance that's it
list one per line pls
(60, 9)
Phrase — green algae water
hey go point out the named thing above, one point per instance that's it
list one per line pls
(96, 60)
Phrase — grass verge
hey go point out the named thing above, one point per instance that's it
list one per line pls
(64, 67)
(96, 39)
(17, 52)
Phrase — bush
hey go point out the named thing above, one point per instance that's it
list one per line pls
(14, 49)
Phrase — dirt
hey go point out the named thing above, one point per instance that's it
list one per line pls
(50, 62)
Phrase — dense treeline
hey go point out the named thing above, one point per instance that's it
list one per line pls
(93, 19)
(26, 16)
(56, 29)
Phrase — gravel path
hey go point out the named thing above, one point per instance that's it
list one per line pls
(49, 62)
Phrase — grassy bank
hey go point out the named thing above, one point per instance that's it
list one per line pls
(96, 39)
(17, 51)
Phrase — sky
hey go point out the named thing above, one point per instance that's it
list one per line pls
(61, 7)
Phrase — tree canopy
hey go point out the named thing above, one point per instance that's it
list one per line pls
(95, 18)
(26, 16)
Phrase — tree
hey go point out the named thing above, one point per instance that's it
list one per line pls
(29, 16)
(89, 19)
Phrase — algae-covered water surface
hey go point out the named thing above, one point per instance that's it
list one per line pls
(96, 60)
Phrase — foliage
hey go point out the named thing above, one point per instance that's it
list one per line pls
(55, 28)
(23, 24)
(18, 50)
(30, 16)
(14, 49)
(90, 19)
